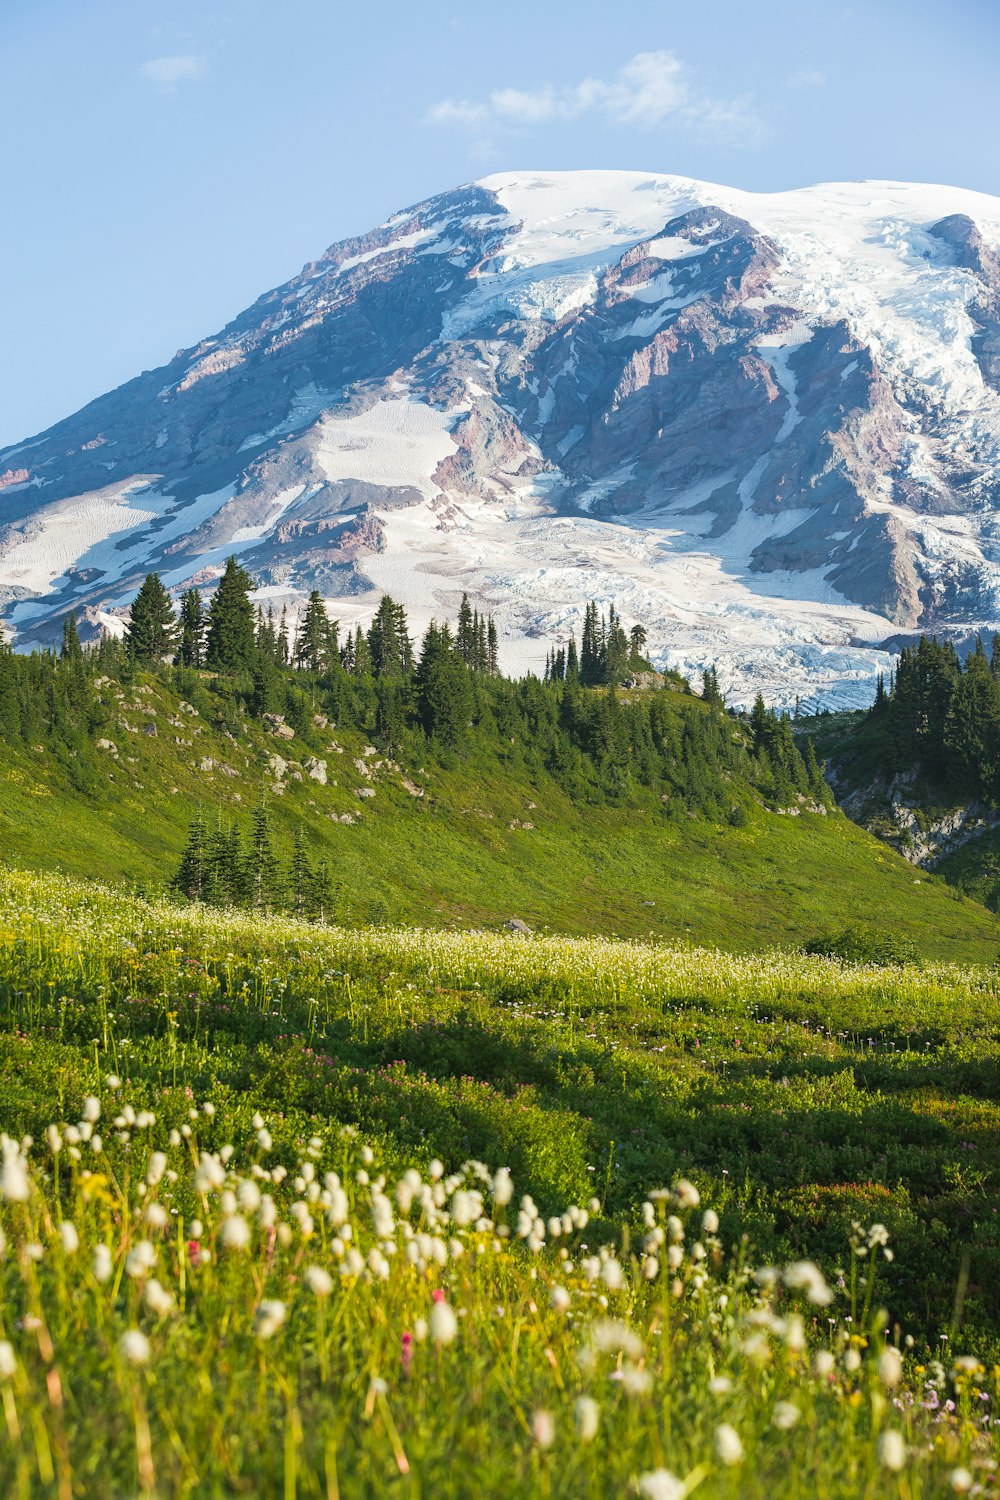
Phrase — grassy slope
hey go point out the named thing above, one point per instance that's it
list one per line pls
(453, 855)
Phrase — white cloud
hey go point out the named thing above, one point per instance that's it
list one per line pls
(165, 73)
(809, 78)
(649, 90)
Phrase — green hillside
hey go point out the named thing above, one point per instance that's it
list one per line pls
(493, 834)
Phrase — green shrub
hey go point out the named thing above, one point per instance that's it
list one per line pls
(861, 943)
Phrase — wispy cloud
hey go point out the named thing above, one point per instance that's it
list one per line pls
(809, 78)
(650, 90)
(167, 73)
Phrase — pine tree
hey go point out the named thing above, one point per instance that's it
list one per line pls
(637, 642)
(230, 646)
(389, 644)
(492, 649)
(283, 649)
(362, 666)
(465, 637)
(191, 651)
(261, 883)
(151, 632)
(72, 650)
(190, 879)
(313, 642)
(444, 687)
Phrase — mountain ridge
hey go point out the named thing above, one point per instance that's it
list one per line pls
(768, 423)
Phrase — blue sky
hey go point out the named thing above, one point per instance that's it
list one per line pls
(162, 165)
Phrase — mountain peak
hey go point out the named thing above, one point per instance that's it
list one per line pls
(767, 425)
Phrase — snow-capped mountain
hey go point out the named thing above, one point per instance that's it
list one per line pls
(767, 426)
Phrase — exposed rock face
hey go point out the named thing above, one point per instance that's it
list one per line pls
(768, 427)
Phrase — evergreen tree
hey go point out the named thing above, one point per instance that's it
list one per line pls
(465, 637)
(191, 651)
(710, 689)
(444, 688)
(362, 665)
(389, 644)
(312, 649)
(191, 877)
(230, 645)
(151, 632)
(492, 649)
(261, 883)
(637, 641)
(72, 650)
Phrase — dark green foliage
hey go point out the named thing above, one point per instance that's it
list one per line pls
(444, 688)
(231, 642)
(191, 650)
(861, 943)
(316, 647)
(72, 650)
(192, 876)
(941, 717)
(151, 633)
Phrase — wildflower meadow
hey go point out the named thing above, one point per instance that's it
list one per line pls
(288, 1210)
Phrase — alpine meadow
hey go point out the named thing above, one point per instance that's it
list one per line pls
(499, 755)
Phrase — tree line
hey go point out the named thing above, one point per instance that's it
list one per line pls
(670, 749)
(941, 716)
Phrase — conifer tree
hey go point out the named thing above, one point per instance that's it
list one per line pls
(190, 879)
(261, 882)
(72, 650)
(444, 688)
(492, 649)
(362, 655)
(637, 643)
(313, 644)
(230, 645)
(465, 638)
(389, 644)
(191, 650)
(151, 632)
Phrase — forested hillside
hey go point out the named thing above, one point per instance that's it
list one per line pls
(235, 758)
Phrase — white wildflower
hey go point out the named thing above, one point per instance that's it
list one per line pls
(890, 1367)
(70, 1238)
(728, 1447)
(268, 1318)
(660, 1484)
(892, 1450)
(587, 1418)
(543, 1428)
(319, 1282)
(235, 1233)
(443, 1323)
(134, 1347)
